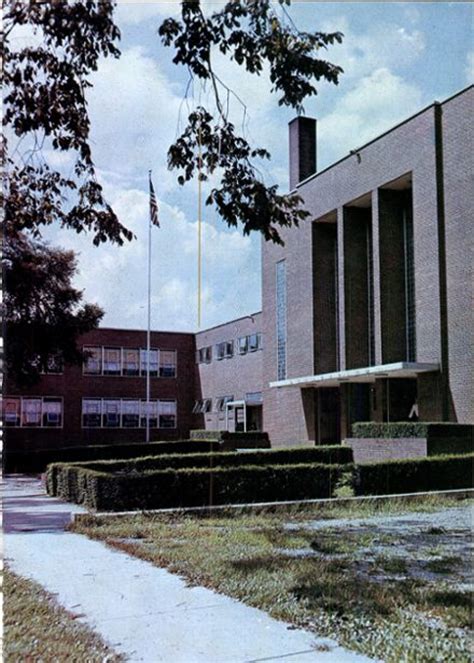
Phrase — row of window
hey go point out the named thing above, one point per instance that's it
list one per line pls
(128, 413)
(129, 362)
(46, 412)
(204, 405)
(225, 349)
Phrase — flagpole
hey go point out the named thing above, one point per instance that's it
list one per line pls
(148, 334)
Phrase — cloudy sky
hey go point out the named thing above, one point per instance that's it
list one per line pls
(397, 58)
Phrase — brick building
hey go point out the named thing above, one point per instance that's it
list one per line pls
(104, 401)
(366, 313)
(367, 309)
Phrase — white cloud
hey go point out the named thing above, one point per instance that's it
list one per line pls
(382, 45)
(134, 110)
(116, 277)
(373, 105)
(133, 12)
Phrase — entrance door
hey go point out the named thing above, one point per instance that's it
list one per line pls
(329, 414)
(254, 417)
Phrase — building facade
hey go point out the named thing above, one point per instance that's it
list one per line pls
(104, 401)
(366, 313)
(367, 308)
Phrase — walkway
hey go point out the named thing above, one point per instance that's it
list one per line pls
(143, 611)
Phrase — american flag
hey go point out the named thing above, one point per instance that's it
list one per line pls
(153, 206)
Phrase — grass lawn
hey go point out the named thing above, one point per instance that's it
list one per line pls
(36, 628)
(398, 593)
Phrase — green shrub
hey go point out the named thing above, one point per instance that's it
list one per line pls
(332, 455)
(415, 475)
(34, 461)
(192, 487)
(430, 430)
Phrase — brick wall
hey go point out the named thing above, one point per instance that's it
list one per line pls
(370, 450)
(458, 148)
(72, 385)
(407, 150)
(235, 376)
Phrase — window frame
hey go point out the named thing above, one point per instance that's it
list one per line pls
(175, 364)
(100, 348)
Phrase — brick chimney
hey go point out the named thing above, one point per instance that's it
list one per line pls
(302, 133)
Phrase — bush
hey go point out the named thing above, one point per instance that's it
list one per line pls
(324, 455)
(437, 430)
(35, 461)
(191, 487)
(414, 476)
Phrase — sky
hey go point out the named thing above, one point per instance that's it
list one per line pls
(397, 58)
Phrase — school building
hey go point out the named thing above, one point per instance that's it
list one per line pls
(366, 313)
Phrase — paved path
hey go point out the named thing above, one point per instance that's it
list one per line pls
(141, 610)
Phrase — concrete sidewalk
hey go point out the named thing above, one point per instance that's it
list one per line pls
(141, 610)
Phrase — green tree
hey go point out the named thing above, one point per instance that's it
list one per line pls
(255, 34)
(45, 108)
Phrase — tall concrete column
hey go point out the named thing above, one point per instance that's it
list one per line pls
(376, 272)
(341, 297)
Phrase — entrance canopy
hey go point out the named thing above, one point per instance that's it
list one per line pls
(367, 374)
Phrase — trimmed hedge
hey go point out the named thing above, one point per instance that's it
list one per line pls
(335, 455)
(434, 430)
(35, 461)
(415, 475)
(193, 487)
(325, 455)
(442, 438)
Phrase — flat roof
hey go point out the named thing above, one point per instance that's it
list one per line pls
(229, 322)
(402, 369)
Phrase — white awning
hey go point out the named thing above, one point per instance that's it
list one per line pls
(366, 374)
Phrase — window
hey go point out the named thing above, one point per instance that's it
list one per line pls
(409, 265)
(52, 412)
(167, 414)
(112, 361)
(131, 361)
(149, 410)
(202, 406)
(281, 318)
(31, 412)
(11, 411)
(229, 349)
(205, 355)
(222, 402)
(93, 360)
(250, 343)
(53, 365)
(167, 363)
(111, 413)
(153, 362)
(130, 413)
(253, 342)
(243, 345)
(91, 412)
(220, 351)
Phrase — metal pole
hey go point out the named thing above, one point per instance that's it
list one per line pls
(148, 334)
(199, 229)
